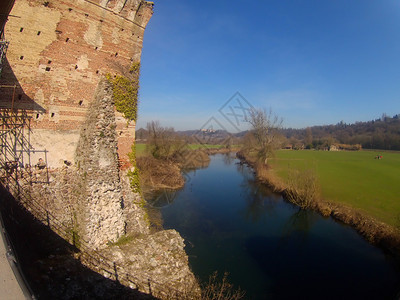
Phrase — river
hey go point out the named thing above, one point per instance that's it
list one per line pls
(269, 247)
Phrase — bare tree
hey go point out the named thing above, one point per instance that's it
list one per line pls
(264, 135)
(162, 141)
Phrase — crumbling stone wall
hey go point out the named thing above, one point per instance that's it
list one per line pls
(90, 194)
(58, 53)
(101, 218)
(93, 198)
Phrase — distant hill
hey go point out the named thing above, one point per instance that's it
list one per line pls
(197, 136)
(141, 134)
(382, 133)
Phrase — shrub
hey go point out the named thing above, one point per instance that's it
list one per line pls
(163, 142)
(302, 188)
(220, 289)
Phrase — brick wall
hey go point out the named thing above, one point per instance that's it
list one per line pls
(59, 50)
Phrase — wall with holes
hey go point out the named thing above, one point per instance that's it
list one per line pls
(60, 49)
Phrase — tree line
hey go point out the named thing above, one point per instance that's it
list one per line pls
(382, 133)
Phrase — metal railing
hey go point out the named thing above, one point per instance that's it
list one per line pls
(86, 255)
(16, 176)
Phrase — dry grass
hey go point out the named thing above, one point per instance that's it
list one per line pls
(220, 289)
(156, 173)
(302, 188)
(267, 175)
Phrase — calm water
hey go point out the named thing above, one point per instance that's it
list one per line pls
(270, 248)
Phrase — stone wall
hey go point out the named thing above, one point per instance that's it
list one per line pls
(93, 198)
(100, 217)
(59, 51)
(59, 54)
(150, 262)
(92, 195)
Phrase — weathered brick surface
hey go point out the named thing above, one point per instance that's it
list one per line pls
(59, 51)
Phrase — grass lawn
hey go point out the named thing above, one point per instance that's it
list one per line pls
(353, 178)
(140, 150)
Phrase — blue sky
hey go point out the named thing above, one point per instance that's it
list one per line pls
(312, 62)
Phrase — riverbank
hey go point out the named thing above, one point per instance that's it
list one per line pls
(354, 178)
(376, 232)
(269, 247)
(156, 174)
(165, 177)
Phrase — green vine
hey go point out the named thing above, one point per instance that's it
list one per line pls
(134, 180)
(125, 92)
(134, 175)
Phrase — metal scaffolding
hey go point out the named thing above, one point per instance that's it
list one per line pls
(15, 129)
(16, 149)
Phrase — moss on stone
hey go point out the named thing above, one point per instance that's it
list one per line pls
(133, 175)
(123, 240)
(125, 91)
(134, 180)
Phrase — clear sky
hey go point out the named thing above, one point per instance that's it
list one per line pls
(312, 62)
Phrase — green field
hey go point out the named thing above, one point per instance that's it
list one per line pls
(140, 150)
(352, 178)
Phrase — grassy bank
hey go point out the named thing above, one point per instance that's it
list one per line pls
(334, 173)
(166, 173)
(140, 150)
(356, 178)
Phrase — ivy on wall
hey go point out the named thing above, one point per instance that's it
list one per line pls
(125, 92)
(134, 175)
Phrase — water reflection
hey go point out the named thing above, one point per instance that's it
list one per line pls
(299, 225)
(161, 198)
(271, 249)
(244, 170)
(260, 201)
(228, 158)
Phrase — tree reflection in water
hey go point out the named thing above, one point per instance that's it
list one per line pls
(270, 247)
(261, 201)
(228, 158)
(161, 198)
(299, 225)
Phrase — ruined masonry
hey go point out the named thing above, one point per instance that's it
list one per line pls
(58, 53)
(58, 56)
